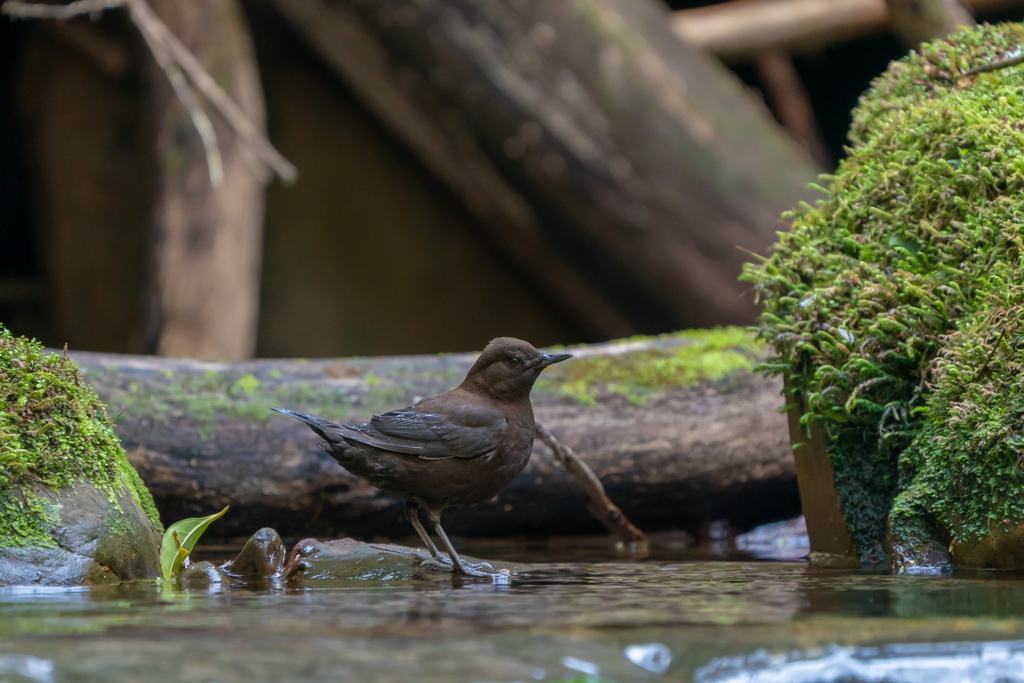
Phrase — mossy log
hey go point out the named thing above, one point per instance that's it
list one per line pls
(678, 428)
(617, 166)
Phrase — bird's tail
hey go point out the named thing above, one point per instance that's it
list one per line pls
(325, 428)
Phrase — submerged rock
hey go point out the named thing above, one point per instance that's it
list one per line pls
(896, 312)
(203, 574)
(73, 511)
(349, 560)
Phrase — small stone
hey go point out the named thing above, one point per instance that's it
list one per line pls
(262, 556)
(203, 574)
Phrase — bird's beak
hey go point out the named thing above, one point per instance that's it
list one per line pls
(547, 359)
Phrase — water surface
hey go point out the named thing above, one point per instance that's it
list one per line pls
(659, 619)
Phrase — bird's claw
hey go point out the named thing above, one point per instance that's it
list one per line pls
(475, 570)
(438, 562)
(480, 570)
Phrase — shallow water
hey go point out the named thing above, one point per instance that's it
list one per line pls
(666, 618)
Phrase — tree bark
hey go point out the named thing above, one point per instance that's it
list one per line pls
(619, 167)
(202, 436)
(204, 280)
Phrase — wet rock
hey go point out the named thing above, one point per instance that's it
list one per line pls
(777, 541)
(202, 574)
(262, 557)
(914, 549)
(929, 558)
(350, 560)
(96, 541)
(73, 511)
(1002, 548)
(50, 567)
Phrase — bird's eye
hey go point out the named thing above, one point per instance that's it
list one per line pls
(515, 359)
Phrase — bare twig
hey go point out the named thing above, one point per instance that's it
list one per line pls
(181, 67)
(1012, 59)
(604, 509)
(188, 99)
(28, 10)
(991, 355)
(143, 15)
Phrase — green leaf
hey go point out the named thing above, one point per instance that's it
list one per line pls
(179, 539)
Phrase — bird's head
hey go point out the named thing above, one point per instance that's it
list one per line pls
(508, 368)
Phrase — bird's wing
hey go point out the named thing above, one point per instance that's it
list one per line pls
(468, 431)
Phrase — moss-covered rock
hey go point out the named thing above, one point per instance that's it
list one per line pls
(964, 485)
(72, 508)
(890, 303)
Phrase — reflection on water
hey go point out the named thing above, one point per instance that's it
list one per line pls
(25, 667)
(652, 656)
(899, 663)
(654, 620)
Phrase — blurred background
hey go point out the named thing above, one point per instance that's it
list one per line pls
(560, 172)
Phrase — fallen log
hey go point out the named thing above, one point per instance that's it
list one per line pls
(677, 428)
(616, 166)
(743, 29)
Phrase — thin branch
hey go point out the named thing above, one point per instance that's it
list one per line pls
(181, 67)
(604, 509)
(991, 355)
(29, 10)
(1012, 59)
(143, 15)
(185, 95)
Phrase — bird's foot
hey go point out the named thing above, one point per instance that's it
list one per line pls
(438, 562)
(468, 570)
(479, 569)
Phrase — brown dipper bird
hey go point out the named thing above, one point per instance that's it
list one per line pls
(458, 448)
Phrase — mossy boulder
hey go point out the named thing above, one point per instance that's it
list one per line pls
(73, 511)
(894, 309)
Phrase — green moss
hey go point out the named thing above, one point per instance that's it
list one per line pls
(919, 221)
(247, 384)
(26, 520)
(704, 355)
(118, 524)
(205, 396)
(55, 432)
(963, 474)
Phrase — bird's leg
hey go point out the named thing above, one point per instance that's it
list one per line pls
(412, 514)
(482, 569)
